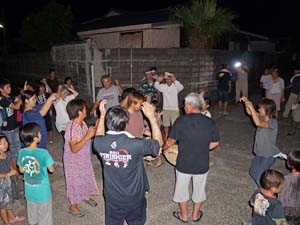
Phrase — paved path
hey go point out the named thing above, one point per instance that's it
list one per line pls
(228, 187)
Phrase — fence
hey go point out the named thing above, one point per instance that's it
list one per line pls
(85, 64)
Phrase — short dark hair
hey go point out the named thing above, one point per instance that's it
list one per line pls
(271, 178)
(29, 132)
(105, 77)
(74, 106)
(293, 160)
(3, 136)
(269, 106)
(66, 79)
(224, 66)
(134, 97)
(153, 68)
(3, 82)
(116, 118)
(127, 91)
(207, 101)
(51, 70)
(27, 94)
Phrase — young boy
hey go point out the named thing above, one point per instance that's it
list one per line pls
(206, 106)
(33, 162)
(9, 120)
(267, 209)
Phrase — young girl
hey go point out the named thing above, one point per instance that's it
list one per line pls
(79, 173)
(265, 137)
(290, 194)
(8, 187)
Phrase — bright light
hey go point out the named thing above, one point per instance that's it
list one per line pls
(237, 64)
(1, 26)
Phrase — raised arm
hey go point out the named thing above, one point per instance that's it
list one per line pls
(73, 91)
(148, 111)
(45, 108)
(101, 123)
(120, 89)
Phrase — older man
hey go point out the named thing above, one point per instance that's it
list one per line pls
(109, 92)
(195, 135)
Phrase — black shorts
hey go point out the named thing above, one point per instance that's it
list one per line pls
(48, 122)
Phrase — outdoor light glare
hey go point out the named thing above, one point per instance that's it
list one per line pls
(1, 25)
(237, 64)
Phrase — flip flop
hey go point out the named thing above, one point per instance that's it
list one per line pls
(16, 219)
(76, 213)
(91, 202)
(200, 216)
(176, 215)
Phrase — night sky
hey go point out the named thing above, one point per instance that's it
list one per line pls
(273, 18)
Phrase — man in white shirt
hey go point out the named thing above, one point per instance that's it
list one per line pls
(170, 90)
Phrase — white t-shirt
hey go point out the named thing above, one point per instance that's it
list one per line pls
(207, 113)
(170, 94)
(265, 79)
(62, 117)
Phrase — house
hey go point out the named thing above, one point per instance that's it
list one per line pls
(121, 29)
(246, 41)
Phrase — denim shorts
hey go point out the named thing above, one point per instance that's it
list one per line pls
(223, 95)
(13, 137)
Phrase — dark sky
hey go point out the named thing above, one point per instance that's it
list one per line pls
(267, 17)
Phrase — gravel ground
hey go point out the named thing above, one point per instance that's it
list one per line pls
(229, 185)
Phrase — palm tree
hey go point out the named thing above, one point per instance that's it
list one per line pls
(204, 22)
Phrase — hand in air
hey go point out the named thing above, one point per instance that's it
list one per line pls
(148, 110)
(102, 107)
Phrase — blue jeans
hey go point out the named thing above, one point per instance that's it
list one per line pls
(258, 166)
(13, 137)
(116, 215)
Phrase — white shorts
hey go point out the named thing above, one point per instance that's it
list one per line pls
(181, 193)
(39, 213)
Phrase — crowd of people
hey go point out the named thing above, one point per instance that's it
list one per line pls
(134, 125)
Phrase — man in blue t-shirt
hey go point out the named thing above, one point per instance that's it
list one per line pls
(125, 179)
(224, 87)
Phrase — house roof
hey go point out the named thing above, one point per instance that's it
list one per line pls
(119, 18)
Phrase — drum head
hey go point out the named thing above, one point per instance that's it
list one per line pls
(171, 154)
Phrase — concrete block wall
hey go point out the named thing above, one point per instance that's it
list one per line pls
(195, 68)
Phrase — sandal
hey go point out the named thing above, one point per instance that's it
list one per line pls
(16, 219)
(76, 213)
(200, 216)
(176, 215)
(91, 202)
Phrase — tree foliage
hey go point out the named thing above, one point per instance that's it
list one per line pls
(50, 26)
(204, 21)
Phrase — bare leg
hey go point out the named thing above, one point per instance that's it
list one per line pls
(50, 136)
(196, 210)
(14, 164)
(10, 214)
(4, 217)
(225, 106)
(220, 105)
(166, 129)
(184, 210)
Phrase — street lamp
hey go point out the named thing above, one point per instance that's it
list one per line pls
(3, 37)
